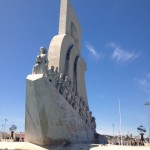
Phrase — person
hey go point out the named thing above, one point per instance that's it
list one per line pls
(12, 135)
(135, 143)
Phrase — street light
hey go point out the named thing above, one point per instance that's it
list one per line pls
(148, 104)
(2, 128)
(113, 129)
(121, 142)
(113, 132)
(5, 124)
(2, 131)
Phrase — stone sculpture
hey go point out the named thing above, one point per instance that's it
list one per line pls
(93, 124)
(76, 103)
(57, 108)
(56, 76)
(60, 82)
(51, 75)
(64, 87)
(89, 118)
(41, 63)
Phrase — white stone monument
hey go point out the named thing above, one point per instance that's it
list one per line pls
(57, 109)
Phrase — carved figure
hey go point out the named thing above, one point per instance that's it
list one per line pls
(41, 63)
(65, 87)
(85, 114)
(89, 118)
(56, 76)
(93, 124)
(51, 75)
(69, 95)
(72, 98)
(60, 82)
(80, 112)
(83, 108)
(76, 103)
(36, 68)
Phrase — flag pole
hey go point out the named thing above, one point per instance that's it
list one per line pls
(120, 122)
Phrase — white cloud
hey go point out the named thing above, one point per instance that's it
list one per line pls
(144, 83)
(92, 50)
(119, 54)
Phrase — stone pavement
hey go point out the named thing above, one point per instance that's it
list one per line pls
(29, 146)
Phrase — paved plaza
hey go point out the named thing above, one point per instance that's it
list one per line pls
(29, 146)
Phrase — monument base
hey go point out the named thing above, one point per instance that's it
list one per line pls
(50, 119)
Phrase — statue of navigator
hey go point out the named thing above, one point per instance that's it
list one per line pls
(41, 65)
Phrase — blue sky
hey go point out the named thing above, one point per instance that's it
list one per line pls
(115, 46)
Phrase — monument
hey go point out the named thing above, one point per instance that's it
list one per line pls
(57, 109)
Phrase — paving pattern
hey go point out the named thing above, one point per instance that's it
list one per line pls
(29, 146)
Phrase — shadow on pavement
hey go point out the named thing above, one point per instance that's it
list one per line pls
(71, 147)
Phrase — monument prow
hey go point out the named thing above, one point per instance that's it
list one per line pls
(57, 109)
(50, 119)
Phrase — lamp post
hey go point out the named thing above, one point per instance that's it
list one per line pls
(113, 132)
(148, 104)
(2, 131)
(2, 128)
(5, 124)
(121, 140)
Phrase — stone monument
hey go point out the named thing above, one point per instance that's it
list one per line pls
(57, 108)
